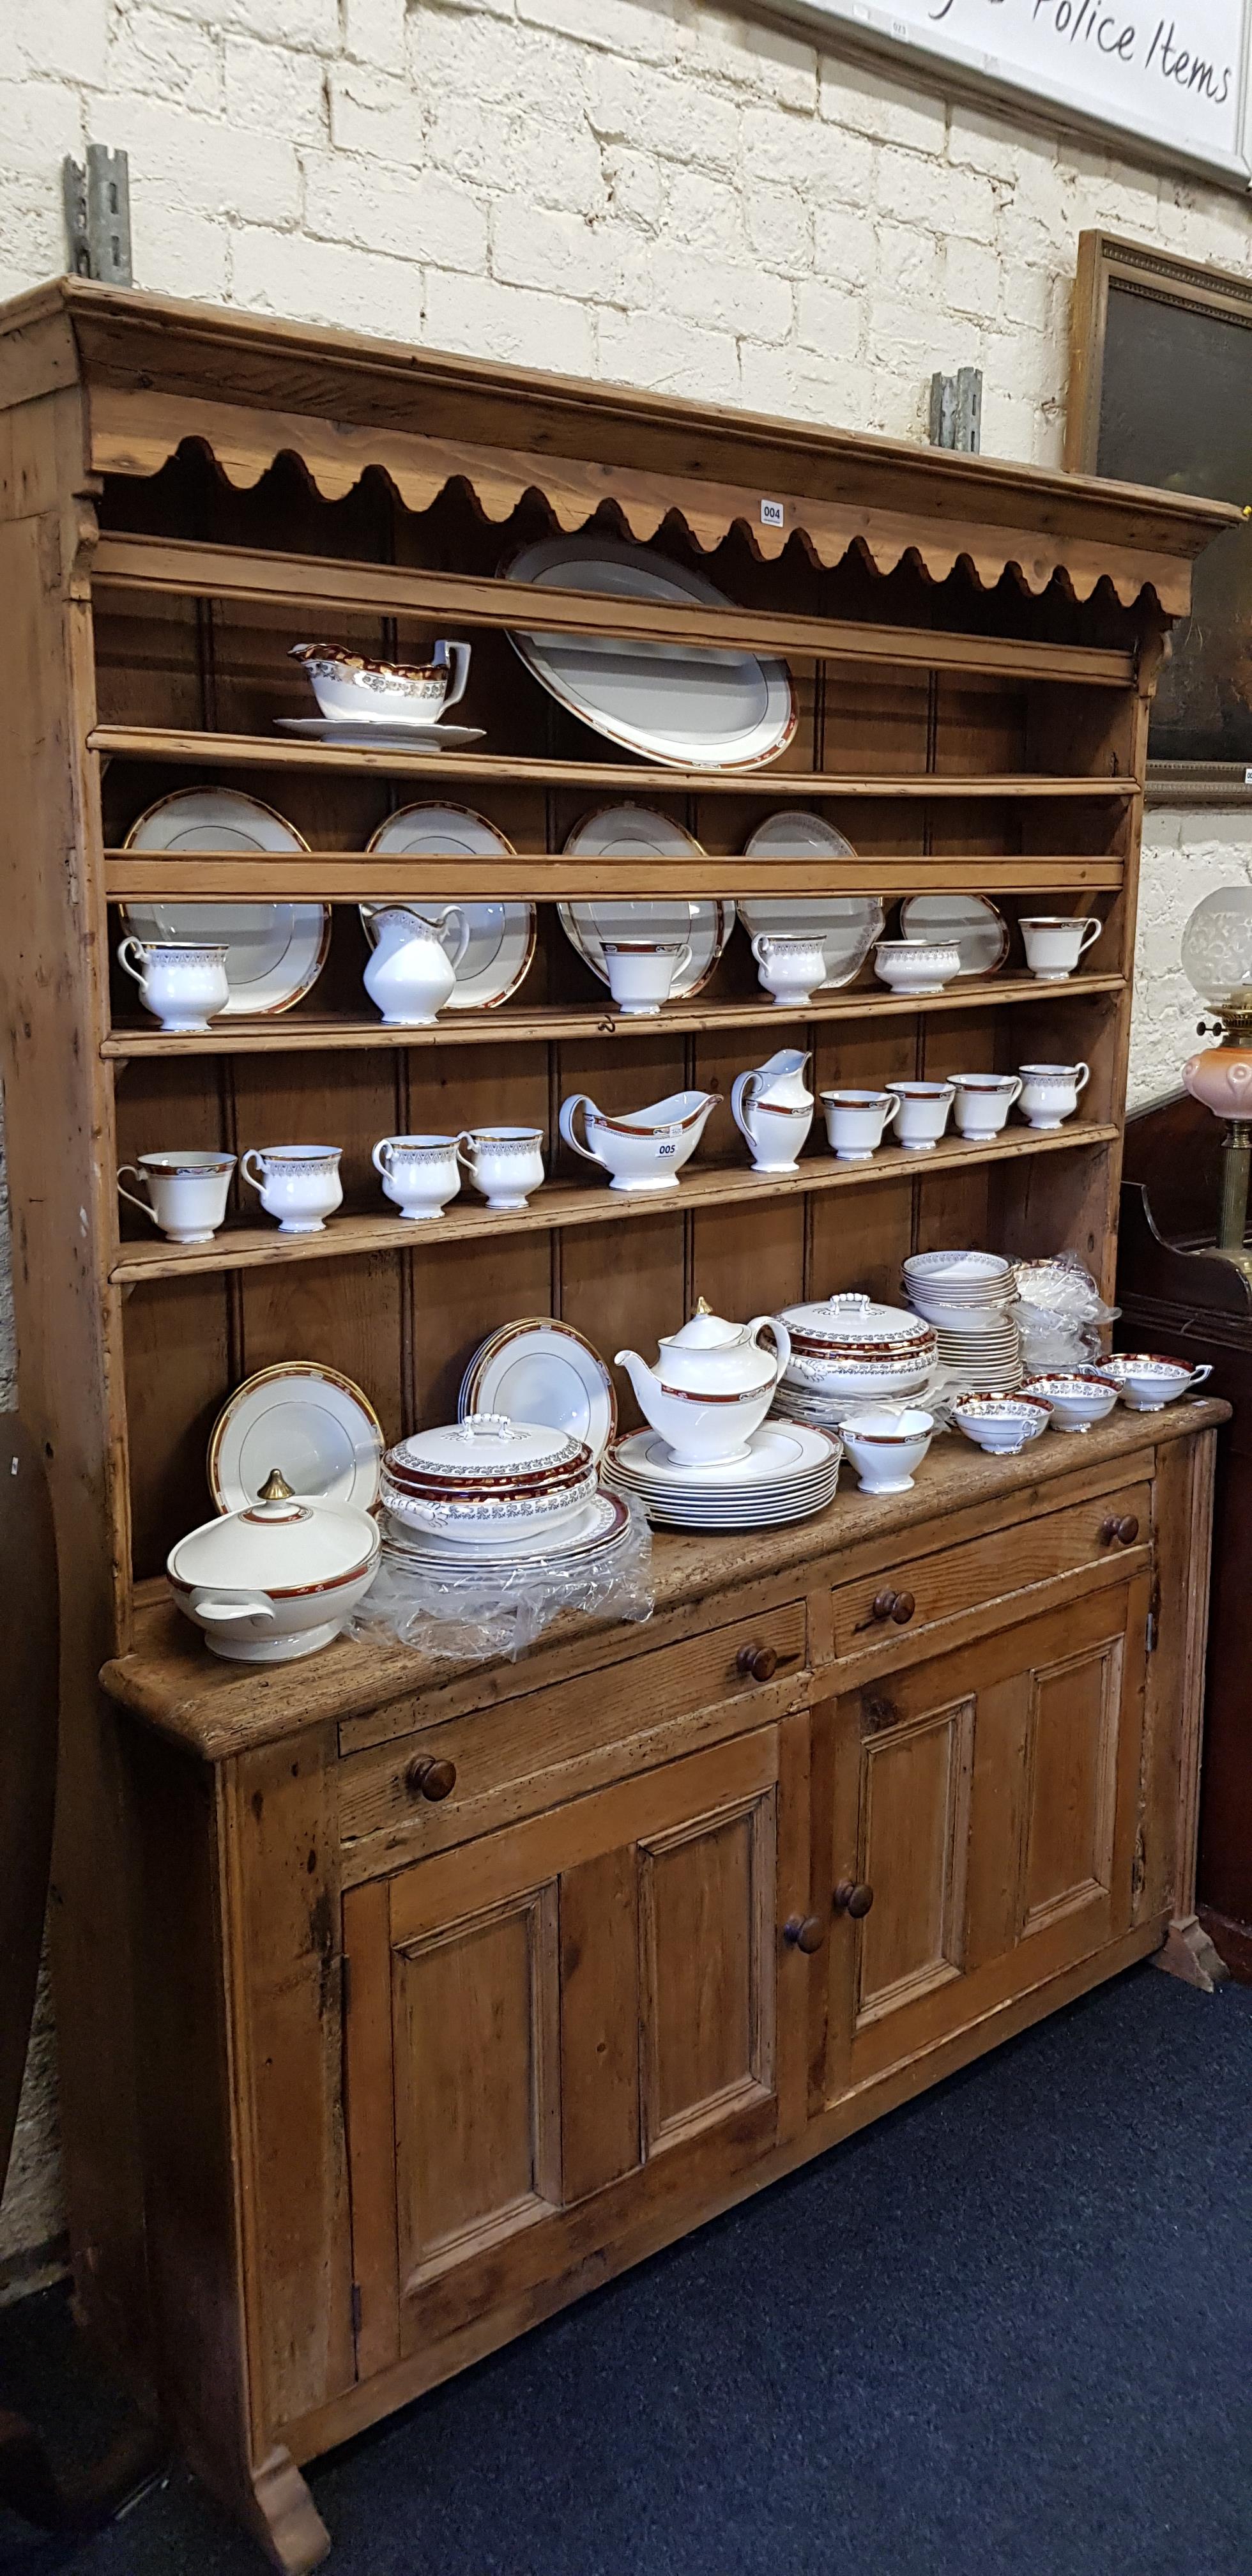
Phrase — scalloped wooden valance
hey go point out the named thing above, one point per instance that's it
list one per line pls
(136, 432)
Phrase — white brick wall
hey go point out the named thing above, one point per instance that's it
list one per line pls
(653, 191)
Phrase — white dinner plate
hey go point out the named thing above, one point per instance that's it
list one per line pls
(778, 1453)
(357, 733)
(633, 831)
(502, 935)
(598, 1525)
(970, 921)
(540, 1370)
(846, 924)
(274, 951)
(686, 704)
(305, 1419)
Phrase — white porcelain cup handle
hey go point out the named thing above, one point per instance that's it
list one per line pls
(1016, 1092)
(756, 947)
(1091, 932)
(1198, 1375)
(463, 1148)
(569, 1110)
(454, 913)
(681, 963)
(459, 657)
(145, 1204)
(381, 1155)
(741, 1103)
(779, 1335)
(1083, 1072)
(125, 960)
(890, 1115)
(949, 1093)
(252, 1156)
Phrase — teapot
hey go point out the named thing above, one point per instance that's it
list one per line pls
(410, 975)
(773, 1108)
(713, 1386)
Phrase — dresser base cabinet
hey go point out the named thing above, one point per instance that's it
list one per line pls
(700, 1899)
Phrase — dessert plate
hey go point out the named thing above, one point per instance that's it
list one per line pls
(969, 921)
(846, 924)
(306, 1419)
(362, 734)
(690, 705)
(502, 935)
(274, 951)
(543, 1371)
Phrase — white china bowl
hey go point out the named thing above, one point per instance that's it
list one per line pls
(1078, 1397)
(916, 965)
(1147, 1380)
(887, 1449)
(1002, 1424)
(276, 1580)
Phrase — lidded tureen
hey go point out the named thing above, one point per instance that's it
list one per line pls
(278, 1579)
(848, 1345)
(713, 1384)
(477, 1479)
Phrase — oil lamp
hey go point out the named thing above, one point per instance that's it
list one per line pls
(1216, 958)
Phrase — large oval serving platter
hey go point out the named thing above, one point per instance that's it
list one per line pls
(502, 935)
(274, 951)
(693, 707)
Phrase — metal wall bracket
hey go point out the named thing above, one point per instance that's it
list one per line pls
(956, 410)
(97, 215)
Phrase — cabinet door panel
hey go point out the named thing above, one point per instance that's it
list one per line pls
(988, 1798)
(583, 2022)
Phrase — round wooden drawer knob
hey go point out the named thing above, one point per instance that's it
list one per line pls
(853, 1897)
(426, 1778)
(757, 1663)
(804, 1932)
(899, 1606)
(1119, 1532)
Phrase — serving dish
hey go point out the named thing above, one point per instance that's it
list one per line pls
(640, 1149)
(362, 689)
(485, 1476)
(276, 1580)
(689, 706)
(274, 951)
(315, 1424)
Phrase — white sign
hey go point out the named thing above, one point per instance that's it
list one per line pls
(1171, 72)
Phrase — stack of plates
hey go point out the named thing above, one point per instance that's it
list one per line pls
(601, 1526)
(832, 1412)
(791, 1470)
(969, 1297)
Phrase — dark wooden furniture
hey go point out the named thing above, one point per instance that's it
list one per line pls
(386, 2076)
(1178, 1294)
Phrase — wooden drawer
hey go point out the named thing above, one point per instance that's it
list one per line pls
(958, 1579)
(530, 1753)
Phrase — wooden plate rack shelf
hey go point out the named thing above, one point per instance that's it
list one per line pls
(973, 648)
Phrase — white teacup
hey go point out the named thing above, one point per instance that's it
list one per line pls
(186, 1193)
(887, 1448)
(1146, 1380)
(298, 1184)
(1054, 942)
(505, 1163)
(856, 1122)
(790, 968)
(420, 1173)
(983, 1102)
(642, 973)
(182, 982)
(916, 965)
(1050, 1092)
(923, 1114)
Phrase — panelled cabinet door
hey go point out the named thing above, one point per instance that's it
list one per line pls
(988, 1798)
(558, 2026)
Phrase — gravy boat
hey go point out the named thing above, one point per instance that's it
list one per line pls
(643, 1149)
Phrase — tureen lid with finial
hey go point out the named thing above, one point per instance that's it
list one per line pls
(277, 1544)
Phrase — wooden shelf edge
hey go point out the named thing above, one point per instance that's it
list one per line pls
(273, 751)
(356, 876)
(561, 1204)
(288, 1034)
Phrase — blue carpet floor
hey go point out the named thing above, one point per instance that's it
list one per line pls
(1006, 2332)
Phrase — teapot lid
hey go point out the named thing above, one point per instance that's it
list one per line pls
(277, 1544)
(703, 1331)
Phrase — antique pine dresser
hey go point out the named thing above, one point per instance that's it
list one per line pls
(401, 2000)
